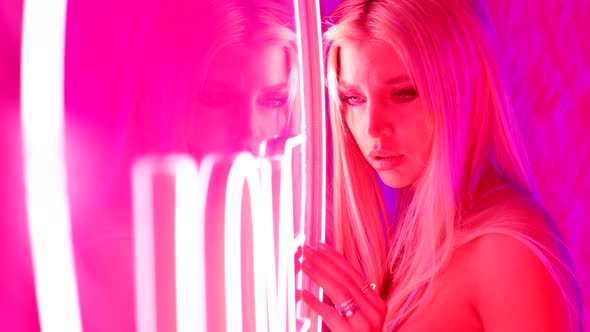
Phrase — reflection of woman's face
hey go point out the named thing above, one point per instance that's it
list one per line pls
(384, 112)
(244, 97)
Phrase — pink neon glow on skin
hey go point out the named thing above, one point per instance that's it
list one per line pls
(384, 112)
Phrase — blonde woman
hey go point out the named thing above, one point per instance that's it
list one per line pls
(416, 100)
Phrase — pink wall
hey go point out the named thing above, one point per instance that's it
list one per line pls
(546, 56)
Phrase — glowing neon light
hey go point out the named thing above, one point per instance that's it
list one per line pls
(320, 62)
(275, 303)
(244, 168)
(42, 67)
(263, 239)
(274, 296)
(189, 241)
(286, 235)
(143, 234)
(42, 88)
(191, 310)
(311, 71)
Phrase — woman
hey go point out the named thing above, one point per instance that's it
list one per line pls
(416, 100)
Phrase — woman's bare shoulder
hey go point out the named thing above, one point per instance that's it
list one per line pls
(514, 290)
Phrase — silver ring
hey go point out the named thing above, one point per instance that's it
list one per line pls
(347, 308)
(367, 286)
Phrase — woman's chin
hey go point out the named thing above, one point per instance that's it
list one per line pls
(394, 180)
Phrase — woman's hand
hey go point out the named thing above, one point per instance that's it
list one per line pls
(357, 307)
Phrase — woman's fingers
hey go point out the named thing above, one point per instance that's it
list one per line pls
(354, 323)
(334, 321)
(337, 258)
(357, 278)
(333, 264)
(327, 279)
(340, 283)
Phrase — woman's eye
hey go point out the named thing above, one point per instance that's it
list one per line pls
(273, 102)
(352, 100)
(406, 95)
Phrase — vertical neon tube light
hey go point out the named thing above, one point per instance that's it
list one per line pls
(319, 134)
(244, 168)
(42, 82)
(286, 272)
(265, 283)
(191, 190)
(143, 235)
(313, 106)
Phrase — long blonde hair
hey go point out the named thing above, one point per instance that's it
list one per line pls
(447, 49)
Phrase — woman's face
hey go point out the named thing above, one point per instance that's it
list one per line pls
(244, 97)
(384, 111)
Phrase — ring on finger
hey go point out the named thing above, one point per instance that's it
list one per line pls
(347, 308)
(368, 286)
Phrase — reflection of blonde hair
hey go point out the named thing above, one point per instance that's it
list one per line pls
(446, 49)
(258, 22)
(184, 38)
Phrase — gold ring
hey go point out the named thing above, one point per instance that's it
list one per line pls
(368, 286)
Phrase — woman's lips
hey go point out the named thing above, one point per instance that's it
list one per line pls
(386, 163)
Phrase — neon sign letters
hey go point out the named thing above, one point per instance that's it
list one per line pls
(198, 199)
(196, 189)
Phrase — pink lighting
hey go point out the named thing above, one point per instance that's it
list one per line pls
(143, 230)
(274, 286)
(190, 245)
(80, 244)
(243, 169)
(278, 215)
(42, 67)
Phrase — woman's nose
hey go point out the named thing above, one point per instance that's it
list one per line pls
(379, 122)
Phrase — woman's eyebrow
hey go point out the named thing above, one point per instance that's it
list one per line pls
(398, 79)
(344, 85)
(394, 80)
